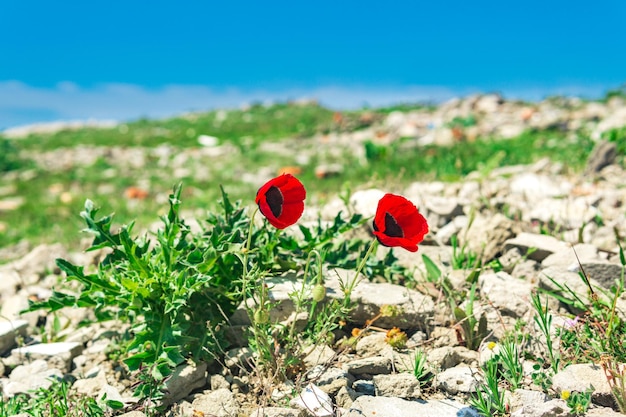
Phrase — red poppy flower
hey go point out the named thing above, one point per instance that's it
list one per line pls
(398, 223)
(281, 200)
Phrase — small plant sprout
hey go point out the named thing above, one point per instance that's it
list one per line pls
(420, 368)
(473, 331)
(543, 319)
(489, 398)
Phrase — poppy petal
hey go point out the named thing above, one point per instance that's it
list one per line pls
(281, 200)
(398, 223)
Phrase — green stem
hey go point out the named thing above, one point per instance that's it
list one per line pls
(261, 342)
(350, 287)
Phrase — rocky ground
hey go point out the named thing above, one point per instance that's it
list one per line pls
(499, 215)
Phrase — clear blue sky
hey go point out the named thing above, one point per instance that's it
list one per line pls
(125, 59)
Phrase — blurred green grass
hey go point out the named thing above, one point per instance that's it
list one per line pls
(261, 140)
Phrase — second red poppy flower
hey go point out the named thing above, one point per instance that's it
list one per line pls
(281, 200)
(398, 223)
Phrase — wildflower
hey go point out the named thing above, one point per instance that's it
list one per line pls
(399, 223)
(491, 345)
(281, 200)
(565, 394)
(571, 323)
(396, 338)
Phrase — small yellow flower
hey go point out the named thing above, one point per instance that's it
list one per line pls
(565, 394)
(491, 345)
(396, 338)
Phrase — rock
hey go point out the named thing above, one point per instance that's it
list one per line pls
(277, 412)
(396, 407)
(580, 378)
(8, 332)
(314, 401)
(566, 258)
(373, 366)
(218, 403)
(510, 295)
(217, 381)
(373, 344)
(603, 154)
(460, 379)
(397, 385)
(58, 355)
(330, 380)
(346, 396)
(365, 202)
(208, 141)
(186, 378)
(318, 355)
(30, 377)
(90, 386)
(542, 245)
(32, 266)
(552, 408)
(133, 414)
(603, 272)
(442, 209)
(443, 357)
(413, 308)
(487, 235)
(365, 387)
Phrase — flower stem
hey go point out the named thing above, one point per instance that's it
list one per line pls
(347, 290)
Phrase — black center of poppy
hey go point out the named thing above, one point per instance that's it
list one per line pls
(391, 227)
(274, 199)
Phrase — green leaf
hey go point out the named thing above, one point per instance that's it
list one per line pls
(433, 273)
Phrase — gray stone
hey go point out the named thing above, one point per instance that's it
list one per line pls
(58, 355)
(510, 295)
(443, 357)
(604, 154)
(346, 396)
(278, 412)
(517, 399)
(486, 235)
(552, 408)
(413, 308)
(133, 414)
(217, 381)
(396, 407)
(8, 331)
(542, 245)
(330, 380)
(460, 379)
(219, 403)
(373, 366)
(443, 209)
(603, 272)
(186, 378)
(580, 378)
(397, 385)
(372, 345)
(566, 258)
(90, 386)
(318, 355)
(30, 377)
(363, 386)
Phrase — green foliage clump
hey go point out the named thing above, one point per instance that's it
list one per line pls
(9, 156)
(174, 292)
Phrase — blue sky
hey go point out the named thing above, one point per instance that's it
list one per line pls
(122, 60)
